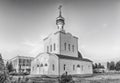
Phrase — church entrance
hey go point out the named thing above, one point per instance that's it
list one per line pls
(78, 69)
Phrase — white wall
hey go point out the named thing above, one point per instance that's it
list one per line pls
(69, 39)
(87, 67)
(53, 38)
(48, 59)
(59, 39)
(53, 60)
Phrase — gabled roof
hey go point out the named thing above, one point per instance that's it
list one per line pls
(66, 57)
(72, 58)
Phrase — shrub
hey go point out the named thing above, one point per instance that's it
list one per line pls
(66, 79)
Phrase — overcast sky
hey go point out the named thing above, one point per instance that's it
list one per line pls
(24, 24)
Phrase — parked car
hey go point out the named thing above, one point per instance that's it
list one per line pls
(99, 70)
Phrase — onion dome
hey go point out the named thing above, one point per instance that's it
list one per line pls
(60, 21)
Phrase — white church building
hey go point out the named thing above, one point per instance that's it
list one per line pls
(61, 54)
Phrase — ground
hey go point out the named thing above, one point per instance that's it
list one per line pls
(100, 78)
(96, 78)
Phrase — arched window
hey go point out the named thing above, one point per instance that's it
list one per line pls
(37, 65)
(46, 64)
(50, 48)
(73, 48)
(82, 67)
(47, 48)
(41, 65)
(65, 45)
(73, 67)
(64, 66)
(69, 47)
(78, 65)
(54, 47)
(33, 68)
(53, 67)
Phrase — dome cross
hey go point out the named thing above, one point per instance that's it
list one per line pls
(60, 21)
(60, 10)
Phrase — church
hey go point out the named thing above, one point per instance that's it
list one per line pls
(61, 54)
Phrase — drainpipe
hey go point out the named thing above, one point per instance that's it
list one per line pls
(59, 69)
(59, 66)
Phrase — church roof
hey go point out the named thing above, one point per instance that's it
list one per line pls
(66, 57)
(80, 55)
(72, 58)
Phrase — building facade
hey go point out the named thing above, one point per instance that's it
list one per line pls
(21, 63)
(61, 54)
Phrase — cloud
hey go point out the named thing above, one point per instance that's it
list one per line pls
(35, 47)
(28, 43)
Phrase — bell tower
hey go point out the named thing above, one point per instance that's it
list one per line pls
(60, 21)
(61, 42)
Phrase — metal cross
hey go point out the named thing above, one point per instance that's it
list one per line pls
(60, 10)
(60, 7)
